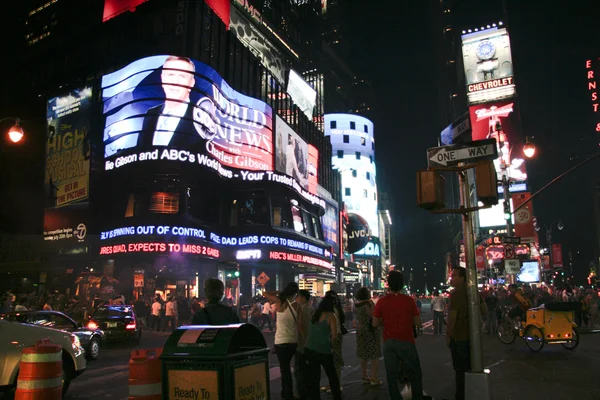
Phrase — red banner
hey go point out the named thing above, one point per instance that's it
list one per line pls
(480, 258)
(524, 216)
(112, 8)
(546, 263)
(223, 10)
(557, 259)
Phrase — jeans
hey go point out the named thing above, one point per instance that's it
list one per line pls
(438, 322)
(395, 355)
(301, 374)
(285, 353)
(491, 322)
(266, 320)
(461, 361)
(155, 322)
(315, 361)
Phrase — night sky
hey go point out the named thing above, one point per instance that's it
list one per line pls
(392, 47)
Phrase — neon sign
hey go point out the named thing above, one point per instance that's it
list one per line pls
(476, 87)
(592, 88)
(248, 254)
(157, 247)
(283, 256)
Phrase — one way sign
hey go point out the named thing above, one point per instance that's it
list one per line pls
(448, 156)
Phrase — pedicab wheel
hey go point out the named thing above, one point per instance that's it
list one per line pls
(506, 333)
(574, 341)
(534, 338)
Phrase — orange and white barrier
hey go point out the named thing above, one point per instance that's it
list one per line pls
(40, 372)
(145, 375)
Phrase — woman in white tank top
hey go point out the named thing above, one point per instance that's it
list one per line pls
(286, 334)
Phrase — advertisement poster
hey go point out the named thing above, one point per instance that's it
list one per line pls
(523, 218)
(500, 121)
(488, 65)
(313, 169)
(184, 384)
(330, 222)
(250, 382)
(291, 157)
(170, 107)
(67, 154)
(65, 228)
(480, 258)
(557, 257)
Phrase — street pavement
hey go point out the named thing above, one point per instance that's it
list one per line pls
(516, 372)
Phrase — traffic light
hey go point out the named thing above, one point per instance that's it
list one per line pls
(236, 273)
(430, 190)
(486, 183)
(507, 213)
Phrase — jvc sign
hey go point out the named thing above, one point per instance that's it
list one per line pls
(448, 156)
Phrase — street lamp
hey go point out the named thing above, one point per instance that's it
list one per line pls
(15, 133)
(528, 148)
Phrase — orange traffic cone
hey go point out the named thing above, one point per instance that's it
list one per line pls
(145, 375)
(40, 372)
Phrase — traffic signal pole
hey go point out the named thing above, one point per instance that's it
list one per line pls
(477, 381)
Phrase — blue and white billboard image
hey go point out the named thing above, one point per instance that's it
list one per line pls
(353, 154)
(173, 103)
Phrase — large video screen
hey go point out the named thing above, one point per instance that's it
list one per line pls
(169, 107)
(488, 65)
(292, 153)
(530, 272)
(499, 120)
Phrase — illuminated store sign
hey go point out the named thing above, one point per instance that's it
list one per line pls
(165, 230)
(283, 256)
(174, 108)
(157, 247)
(488, 65)
(592, 68)
(248, 254)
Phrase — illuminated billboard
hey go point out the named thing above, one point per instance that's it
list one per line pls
(313, 168)
(291, 157)
(302, 94)
(112, 8)
(174, 103)
(499, 120)
(67, 152)
(494, 216)
(488, 65)
(330, 222)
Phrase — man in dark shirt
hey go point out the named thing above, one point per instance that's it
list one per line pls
(457, 335)
(491, 301)
(215, 313)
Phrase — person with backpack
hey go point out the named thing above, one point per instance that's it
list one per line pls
(519, 303)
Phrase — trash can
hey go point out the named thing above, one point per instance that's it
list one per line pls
(215, 362)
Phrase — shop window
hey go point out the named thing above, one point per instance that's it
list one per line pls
(317, 227)
(368, 176)
(346, 138)
(358, 155)
(373, 146)
(352, 125)
(202, 207)
(307, 220)
(249, 208)
(365, 193)
(164, 203)
(282, 214)
(297, 216)
(333, 124)
(340, 153)
(366, 129)
(371, 159)
(363, 141)
(354, 173)
(347, 192)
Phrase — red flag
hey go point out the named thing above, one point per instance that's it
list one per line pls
(223, 10)
(480, 258)
(524, 216)
(557, 259)
(546, 260)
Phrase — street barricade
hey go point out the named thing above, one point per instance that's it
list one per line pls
(216, 362)
(145, 375)
(40, 372)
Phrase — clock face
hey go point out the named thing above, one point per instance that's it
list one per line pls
(485, 50)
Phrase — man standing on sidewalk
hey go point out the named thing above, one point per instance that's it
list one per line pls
(301, 363)
(457, 334)
(400, 318)
(437, 305)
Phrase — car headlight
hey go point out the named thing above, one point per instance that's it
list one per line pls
(75, 342)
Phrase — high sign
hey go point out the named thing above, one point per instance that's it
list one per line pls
(488, 65)
(453, 155)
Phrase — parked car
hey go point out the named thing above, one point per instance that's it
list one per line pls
(91, 339)
(14, 337)
(118, 322)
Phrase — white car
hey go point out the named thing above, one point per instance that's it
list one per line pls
(16, 336)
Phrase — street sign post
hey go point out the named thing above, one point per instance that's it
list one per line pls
(263, 279)
(457, 131)
(511, 240)
(509, 251)
(448, 156)
(512, 267)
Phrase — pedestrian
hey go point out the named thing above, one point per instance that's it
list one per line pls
(438, 306)
(21, 304)
(156, 310)
(215, 313)
(491, 302)
(322, 335)
(301, 370)
(400, 318)
(286, 334)
(368, 338)
(338, 357)
(266, 316)
(457, 335)
(256, 313)
(349, 310)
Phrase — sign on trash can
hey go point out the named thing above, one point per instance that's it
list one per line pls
(216, 362)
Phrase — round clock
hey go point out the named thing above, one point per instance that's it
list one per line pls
(485, 50)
